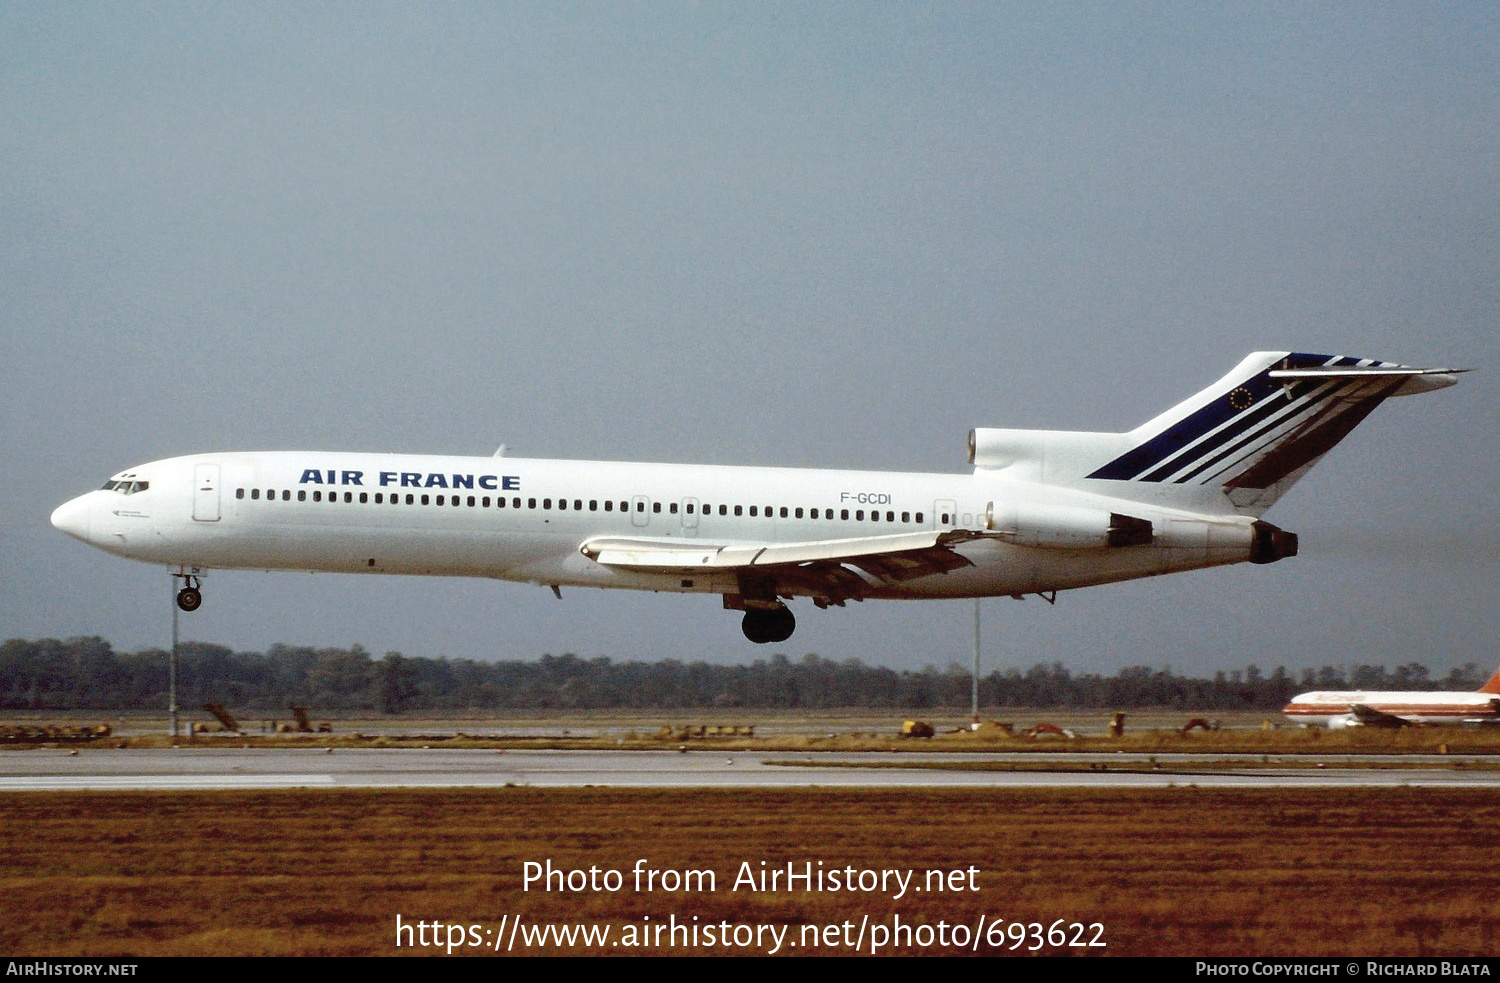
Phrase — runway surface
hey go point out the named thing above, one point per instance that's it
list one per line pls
(268, 768)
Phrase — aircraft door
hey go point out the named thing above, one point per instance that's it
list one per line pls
(944, 513)
(206, 492)
(689, 517)
(640, 514)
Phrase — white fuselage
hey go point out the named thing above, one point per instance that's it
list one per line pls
(525, 520)
(1334, 709)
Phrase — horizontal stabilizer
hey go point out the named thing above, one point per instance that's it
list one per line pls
(1418, 380)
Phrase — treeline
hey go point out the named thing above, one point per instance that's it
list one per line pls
(87, 674)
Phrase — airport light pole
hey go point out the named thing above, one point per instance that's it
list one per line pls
(974, 687)
(172, 669)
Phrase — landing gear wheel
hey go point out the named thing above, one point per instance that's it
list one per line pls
(774, 625)
(189, 599)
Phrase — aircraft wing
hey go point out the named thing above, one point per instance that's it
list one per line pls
(1371, 717)
(831, 570)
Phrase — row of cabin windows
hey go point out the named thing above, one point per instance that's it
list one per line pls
(563, 505)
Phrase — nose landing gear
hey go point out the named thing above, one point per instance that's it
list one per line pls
(190, 598)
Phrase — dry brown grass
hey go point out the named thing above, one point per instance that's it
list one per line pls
(1175, 871)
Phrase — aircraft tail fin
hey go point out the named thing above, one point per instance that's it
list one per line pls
(1493, 686)
(1245, 439)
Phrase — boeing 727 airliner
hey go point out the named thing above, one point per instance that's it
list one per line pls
(1043, 511)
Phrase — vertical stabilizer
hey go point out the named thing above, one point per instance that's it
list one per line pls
(1251, 435)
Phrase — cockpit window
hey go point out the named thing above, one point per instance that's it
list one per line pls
(126, 487)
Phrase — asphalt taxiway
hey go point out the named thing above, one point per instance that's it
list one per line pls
(269, 768)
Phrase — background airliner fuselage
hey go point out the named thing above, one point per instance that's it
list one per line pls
(1394, 708)
(1042, 511)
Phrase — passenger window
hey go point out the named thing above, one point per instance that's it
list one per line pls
(673, 508)
(426, 500)
(364, 498)
(844, 514)
(485, 502)
(562, 504)
(609, 505)
(515, 503)
(905, 516)
(471, 501)
(286, 494)
(783, 512)
(724, 510)
(301, 494)
(238, 492)
(738, 509)
(547, 504)
(255, 494)
(317, 496)
(593, 505)
(531, 503)
(752, 510)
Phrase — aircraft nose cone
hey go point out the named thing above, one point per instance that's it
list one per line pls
(73, 519)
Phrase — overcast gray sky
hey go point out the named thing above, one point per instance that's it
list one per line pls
(815, 234)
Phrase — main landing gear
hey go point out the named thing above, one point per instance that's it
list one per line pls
(762, 625)
(190, 598)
